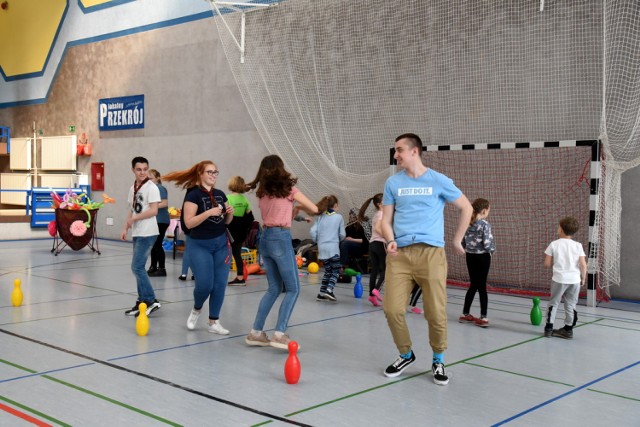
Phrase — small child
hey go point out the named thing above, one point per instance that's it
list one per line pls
(569, 263)
(479, 246)
(377, 251)
(328, 231)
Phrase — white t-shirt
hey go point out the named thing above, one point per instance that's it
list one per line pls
(149, 193)
(566, 255)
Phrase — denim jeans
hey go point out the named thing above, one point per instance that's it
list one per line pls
(210, 262)
(185, 257)
(280, 265)
(141, 250)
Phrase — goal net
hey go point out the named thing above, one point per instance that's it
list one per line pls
(329, 84)
(530, 187)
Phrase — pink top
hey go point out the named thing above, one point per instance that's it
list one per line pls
(375, 237)
(277, 212)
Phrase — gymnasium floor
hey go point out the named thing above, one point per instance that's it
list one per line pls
(69, 356)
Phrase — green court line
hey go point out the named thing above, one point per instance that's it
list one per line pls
(520, 375)
(15, 365)
(94, 394)
(262, 424)
(619, 327)
(614, 395)
(115, 402)
(420, 374)
(34, 411)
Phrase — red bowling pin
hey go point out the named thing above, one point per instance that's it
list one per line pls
(292, 365)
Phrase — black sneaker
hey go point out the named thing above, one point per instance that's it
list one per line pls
(133, 311)
(329, 296)
(320, 297)
(152, 270)
(182, 277)
(160, 272)
(152, 306)
(548, 332)
(399, 365)
(439, 377)
(562, 333)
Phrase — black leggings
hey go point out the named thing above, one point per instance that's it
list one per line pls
(416, 293)
(378, 258)
(236, 249)
(157, 251)
(478, 266)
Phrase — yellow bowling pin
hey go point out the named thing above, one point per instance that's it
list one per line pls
(16, 295)
(142, 321)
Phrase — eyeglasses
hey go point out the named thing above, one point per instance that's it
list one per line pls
(213, 173)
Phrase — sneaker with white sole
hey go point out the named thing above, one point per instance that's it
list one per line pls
(467, 318)
(133, 311)
(193, 319)
(439, 376)
(483, 322)
(329, 296)
(152, 306)
(281, 341)
(416, 310)
(217, 328)
(260, 340)
(399, 365)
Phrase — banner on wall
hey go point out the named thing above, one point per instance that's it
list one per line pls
(125, 112)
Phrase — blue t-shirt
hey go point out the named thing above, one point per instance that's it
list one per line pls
(214, 225)
(163, 213)
(419, 206)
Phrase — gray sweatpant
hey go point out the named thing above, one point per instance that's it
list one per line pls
(570, 293)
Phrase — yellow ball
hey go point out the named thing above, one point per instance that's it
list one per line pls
(313, 267)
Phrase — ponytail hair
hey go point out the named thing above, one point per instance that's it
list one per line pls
(377, 200)
(326, 203)
(478, 206)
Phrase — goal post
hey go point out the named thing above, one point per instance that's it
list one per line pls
(530, 186)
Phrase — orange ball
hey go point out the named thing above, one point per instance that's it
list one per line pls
(299, 261)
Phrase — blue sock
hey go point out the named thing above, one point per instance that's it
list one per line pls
(407, 355)
(438, 358)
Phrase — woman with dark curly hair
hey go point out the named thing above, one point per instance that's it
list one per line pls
(277, 195)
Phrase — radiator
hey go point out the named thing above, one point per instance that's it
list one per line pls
(20, 158)
(58, 153)
(14, 181)
(64, 180)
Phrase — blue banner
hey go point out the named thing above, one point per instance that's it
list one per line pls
(126, 112)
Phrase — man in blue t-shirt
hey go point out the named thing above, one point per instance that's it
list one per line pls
(413, 226)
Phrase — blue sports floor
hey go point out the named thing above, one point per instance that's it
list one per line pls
(69, 356)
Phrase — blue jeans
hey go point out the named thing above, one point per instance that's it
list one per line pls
(185, 257)
(141, 250)
(280, 264)
(210, 262)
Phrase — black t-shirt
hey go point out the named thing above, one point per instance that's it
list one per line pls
(213, 226)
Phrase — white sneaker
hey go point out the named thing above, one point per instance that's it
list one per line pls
(193, 319)
(216, 328)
